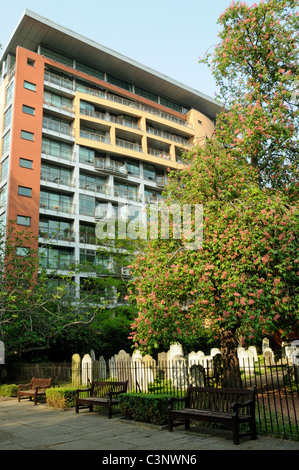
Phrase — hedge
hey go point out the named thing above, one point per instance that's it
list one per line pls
(61, 397)
(148, 408)
(8, 390)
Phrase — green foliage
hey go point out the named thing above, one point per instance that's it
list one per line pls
(255, 64)
(9, 390)
(145, 407)
(245, 275)
(61, 397)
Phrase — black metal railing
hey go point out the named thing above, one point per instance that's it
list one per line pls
(276, 383)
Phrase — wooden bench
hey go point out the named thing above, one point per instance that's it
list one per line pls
(226, 406)
(100, 393)
(36, 388)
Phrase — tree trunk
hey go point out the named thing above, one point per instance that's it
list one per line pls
(231, 370)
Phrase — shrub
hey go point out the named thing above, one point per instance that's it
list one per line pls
(61, 397)
(9, 390)
(148, 408)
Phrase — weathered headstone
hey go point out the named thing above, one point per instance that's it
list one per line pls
(2, 353)
(197, 375)
(112, 367)
(174, 350)
(254, 351)
(76, 370)
(179, 372)
(87, 369)
(265, 344)
(268, 356)
(123, 367)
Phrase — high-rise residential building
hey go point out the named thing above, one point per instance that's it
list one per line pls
(84, 129)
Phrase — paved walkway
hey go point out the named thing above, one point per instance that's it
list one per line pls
(24, 426)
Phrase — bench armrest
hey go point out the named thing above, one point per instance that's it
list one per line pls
(110, 394)
(21, 386)
(82, 390)
(246, 404)
(172, 400)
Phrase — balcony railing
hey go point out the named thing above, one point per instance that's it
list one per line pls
(94, 136)
(159, 153)
(111, 167)
(95, 187)
(129, 145)
(64, 235)
(87, 238)
(58, 81)
(65, 207)
(134, 104)
(108, 118)
(57, 263)
(58, 153)
(126, 194)
(58, 127)
(52, 177)
(168, 136)
(61, 107)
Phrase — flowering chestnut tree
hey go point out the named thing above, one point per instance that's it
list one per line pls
(255, 66)
(242, 282)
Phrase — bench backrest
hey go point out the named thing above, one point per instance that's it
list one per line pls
(102, 388)
(43, 383)
(218, 399)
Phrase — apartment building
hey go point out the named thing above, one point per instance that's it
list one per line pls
(83, 131)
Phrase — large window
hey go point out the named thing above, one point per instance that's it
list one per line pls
(57, 149)
(55, 174)
(87, 205)
(57, 230)
(55, 202)
(55, 258)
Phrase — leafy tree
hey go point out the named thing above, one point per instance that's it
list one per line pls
(243, 281)
(255, 65)
(33, 310)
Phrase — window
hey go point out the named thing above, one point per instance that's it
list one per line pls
(6, 143)
(7, 118)
(27, 135)
(28, 110)
(22, 250)
(29, 86)
(23, 220)
(4, 169)
(25, 163)
(23, 191)
(30, 62)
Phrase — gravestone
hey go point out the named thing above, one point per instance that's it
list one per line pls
(2, 353)
(87, 366)
(249, 360)
(197, 375)
(76, 370)
(254, 351)
(123, 367)
(112, 367)
(163, 369)
(179, 372)
(214, 351)
(101, 368)
(174, 350)
(265, 344)
(268, 357)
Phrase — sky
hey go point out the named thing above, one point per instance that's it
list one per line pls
(165, 35)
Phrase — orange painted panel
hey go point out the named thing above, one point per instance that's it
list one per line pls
(22, 147)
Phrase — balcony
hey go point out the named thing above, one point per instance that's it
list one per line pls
(122, 121)
(56, 263)
(62, 108)
(65, 207)
(95, 137)
(53, 177)
(134, 105)
(129, 145)
(95, 187)
(159, 153)
(168, 136)
(61, 235)
(126, 194)
(59, 82)
(59, 128)
(112, 167)
(58, 153)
